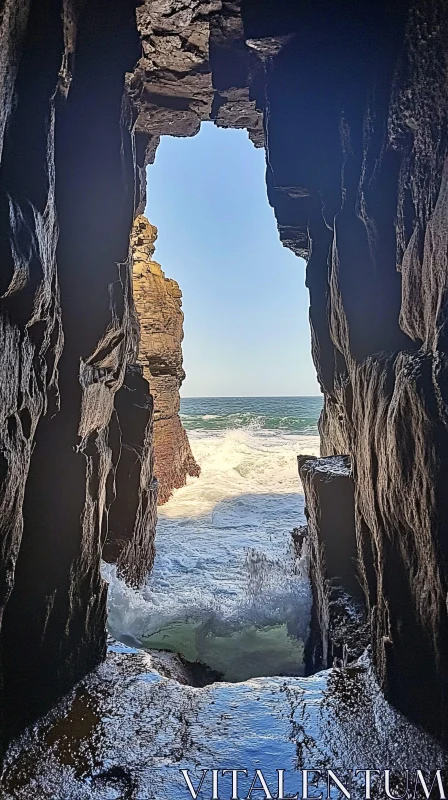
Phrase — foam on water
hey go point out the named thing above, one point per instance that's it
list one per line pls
(288, 414)
(226, 589)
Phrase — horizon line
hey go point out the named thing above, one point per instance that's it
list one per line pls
(246, 396)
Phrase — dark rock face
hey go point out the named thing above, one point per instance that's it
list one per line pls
(339, 621)
(377, 314)
(69, 336)
(132, 520)
(350, 101)
(379, 342)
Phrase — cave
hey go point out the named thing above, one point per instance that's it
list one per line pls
(249, 616)
(350, 103)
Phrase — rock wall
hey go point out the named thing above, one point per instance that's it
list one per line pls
(339, 630)
(371, 167)
(68, 341)
(385, 396)
(158, 302)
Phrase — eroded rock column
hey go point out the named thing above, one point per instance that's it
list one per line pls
(158, 302)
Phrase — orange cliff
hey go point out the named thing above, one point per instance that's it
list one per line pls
(158, 301)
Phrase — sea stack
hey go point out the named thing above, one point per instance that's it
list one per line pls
(158, 303)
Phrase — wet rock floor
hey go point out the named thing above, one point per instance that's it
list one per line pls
(128, 730)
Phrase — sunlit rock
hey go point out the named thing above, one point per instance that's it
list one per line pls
(159, 309)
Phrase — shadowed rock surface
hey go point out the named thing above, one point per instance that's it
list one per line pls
(132, 521)
(158, 303)
(69, 337)
(351, 103)
(338, 626)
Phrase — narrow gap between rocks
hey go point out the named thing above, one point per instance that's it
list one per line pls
(229, 593)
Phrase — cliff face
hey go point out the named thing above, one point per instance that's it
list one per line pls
(68, 342)
(159, 309)
(375, 181)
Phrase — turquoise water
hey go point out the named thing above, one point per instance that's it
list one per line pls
(295, 415)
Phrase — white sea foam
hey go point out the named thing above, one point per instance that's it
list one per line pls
(225, 588)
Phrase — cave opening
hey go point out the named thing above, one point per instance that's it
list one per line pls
(218, 297)
(350, 106)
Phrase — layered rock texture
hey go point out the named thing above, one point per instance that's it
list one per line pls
(355, 123)
(339, 632)
(158, 302)
(351, 103)
(69, 340)
(195, 67)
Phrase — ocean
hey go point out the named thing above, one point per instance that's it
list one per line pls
(226, 589)
(286, 415)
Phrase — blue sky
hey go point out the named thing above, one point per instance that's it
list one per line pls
(244, 296)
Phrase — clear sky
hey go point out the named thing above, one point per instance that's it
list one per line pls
(244, 296)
